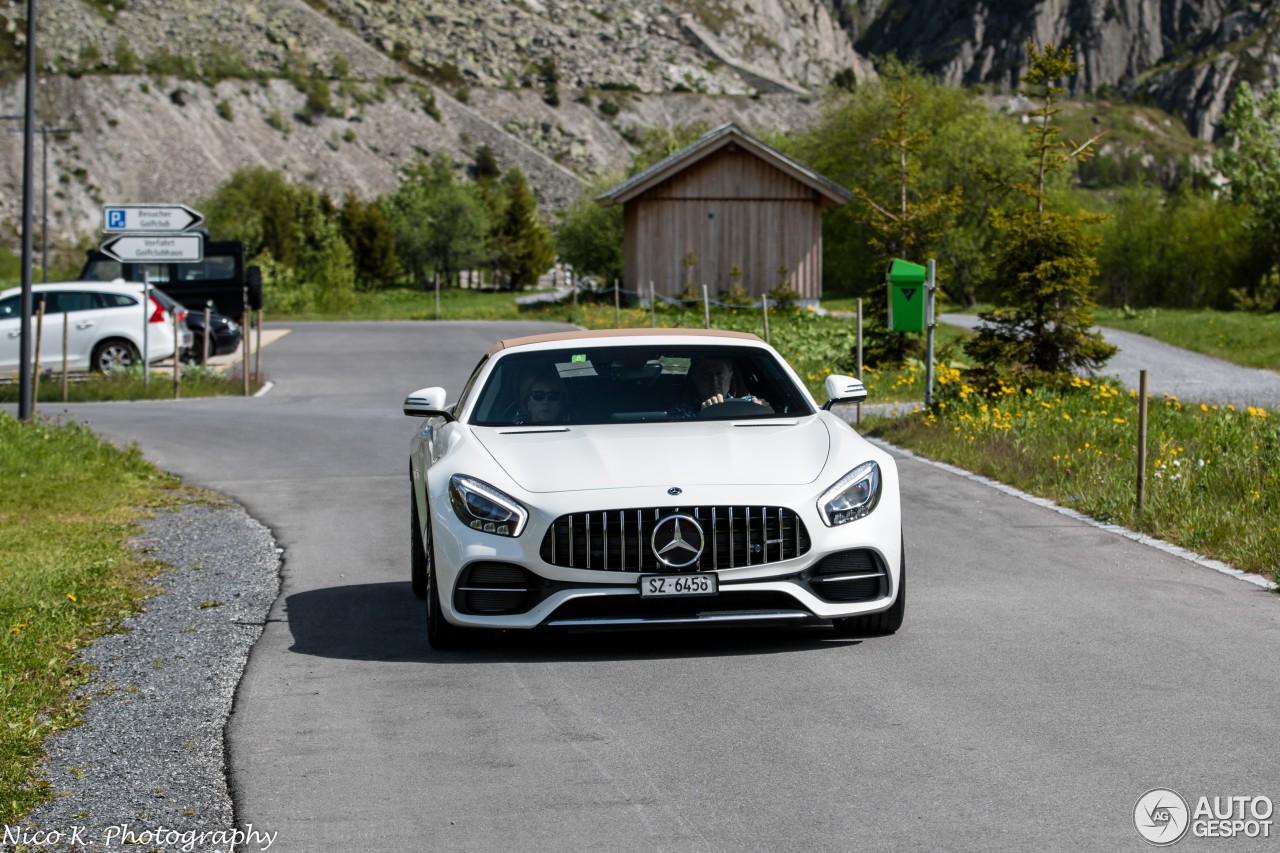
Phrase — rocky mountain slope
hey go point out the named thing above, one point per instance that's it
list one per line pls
(1186, 56)
(169, 96)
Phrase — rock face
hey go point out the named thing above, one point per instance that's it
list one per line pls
(1187, 56)
(652, 46)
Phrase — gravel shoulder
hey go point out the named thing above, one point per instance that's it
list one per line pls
(149, 758)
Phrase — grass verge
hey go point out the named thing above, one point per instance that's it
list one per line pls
(195, 381)
(1212, 485)
(67, 576)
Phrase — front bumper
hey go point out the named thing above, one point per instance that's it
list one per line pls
(495, 582)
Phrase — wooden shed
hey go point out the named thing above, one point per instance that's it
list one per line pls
(726, 200)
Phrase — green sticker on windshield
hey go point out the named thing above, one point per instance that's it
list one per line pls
(582, 357)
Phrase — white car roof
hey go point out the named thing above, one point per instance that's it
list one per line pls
(118, 285)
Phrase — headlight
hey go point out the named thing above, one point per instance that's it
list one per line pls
(482, 507)
(853, 496)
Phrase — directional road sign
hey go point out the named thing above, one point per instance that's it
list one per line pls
(152, 218)
(155, 248)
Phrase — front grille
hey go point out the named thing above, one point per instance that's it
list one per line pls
(850, 576)
(492, 589)
(619, 540)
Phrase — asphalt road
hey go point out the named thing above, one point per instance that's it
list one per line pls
(1049, 673)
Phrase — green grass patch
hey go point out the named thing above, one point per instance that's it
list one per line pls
(1212, 482)
(411, 304)
(1243, 337)
(68, 506)
(194, 381)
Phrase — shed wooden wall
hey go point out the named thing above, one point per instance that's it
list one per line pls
(729, 208)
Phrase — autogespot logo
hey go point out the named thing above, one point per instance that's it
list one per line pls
(1161, 816)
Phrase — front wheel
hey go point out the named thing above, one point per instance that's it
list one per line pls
(443, 635)
(419, 562)
(114, 354)
(878, 624)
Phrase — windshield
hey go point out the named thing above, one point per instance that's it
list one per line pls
(627, 384)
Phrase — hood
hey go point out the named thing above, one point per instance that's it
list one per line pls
(556, 459)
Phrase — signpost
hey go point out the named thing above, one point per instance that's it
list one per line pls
(154, 248)
(152, 234)
(150, 218)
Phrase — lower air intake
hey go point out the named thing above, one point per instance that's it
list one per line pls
(494, 589)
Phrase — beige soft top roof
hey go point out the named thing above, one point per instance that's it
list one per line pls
(589, 334)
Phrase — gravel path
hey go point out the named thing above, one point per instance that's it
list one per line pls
(1187, 375)
(149, 758)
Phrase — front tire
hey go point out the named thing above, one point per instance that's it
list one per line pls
(419, 563)
(878, 624)
(114, 354)
(443, 635)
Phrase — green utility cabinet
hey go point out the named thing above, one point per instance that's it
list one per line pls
(907, 296)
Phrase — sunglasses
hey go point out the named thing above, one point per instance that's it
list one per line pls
(549, 396)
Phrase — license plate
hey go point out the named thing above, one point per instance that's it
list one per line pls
(663, 586)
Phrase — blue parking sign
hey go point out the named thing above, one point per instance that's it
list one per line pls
(115, 218)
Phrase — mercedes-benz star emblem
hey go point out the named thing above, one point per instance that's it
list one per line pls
(674, 490)
(677, 541)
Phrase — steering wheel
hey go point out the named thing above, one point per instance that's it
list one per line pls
(735, 409)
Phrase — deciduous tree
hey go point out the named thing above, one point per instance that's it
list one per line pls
(1250, 161)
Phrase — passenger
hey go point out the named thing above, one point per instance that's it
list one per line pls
(542, 400)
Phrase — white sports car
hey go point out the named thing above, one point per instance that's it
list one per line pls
(648, 478)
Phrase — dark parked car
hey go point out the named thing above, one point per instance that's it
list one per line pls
(224, 335)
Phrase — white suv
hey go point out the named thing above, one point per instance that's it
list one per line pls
(104, 327)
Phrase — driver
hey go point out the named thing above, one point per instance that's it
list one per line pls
(714, 381)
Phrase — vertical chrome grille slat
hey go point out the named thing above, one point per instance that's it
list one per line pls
(715, 541)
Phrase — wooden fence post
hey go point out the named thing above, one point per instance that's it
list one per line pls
(1142, 437)
(858, 410)
(177, 353)
(66, 339)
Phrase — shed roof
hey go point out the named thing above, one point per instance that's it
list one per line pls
(711, 142)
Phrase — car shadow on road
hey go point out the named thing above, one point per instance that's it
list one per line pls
(385, 622)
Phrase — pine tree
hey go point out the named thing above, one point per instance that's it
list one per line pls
(1042, 331)
(523, 243)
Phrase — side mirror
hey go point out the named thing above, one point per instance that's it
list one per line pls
(844, 389)
(427, 403)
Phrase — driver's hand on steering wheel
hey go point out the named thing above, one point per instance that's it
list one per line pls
(715, 399)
